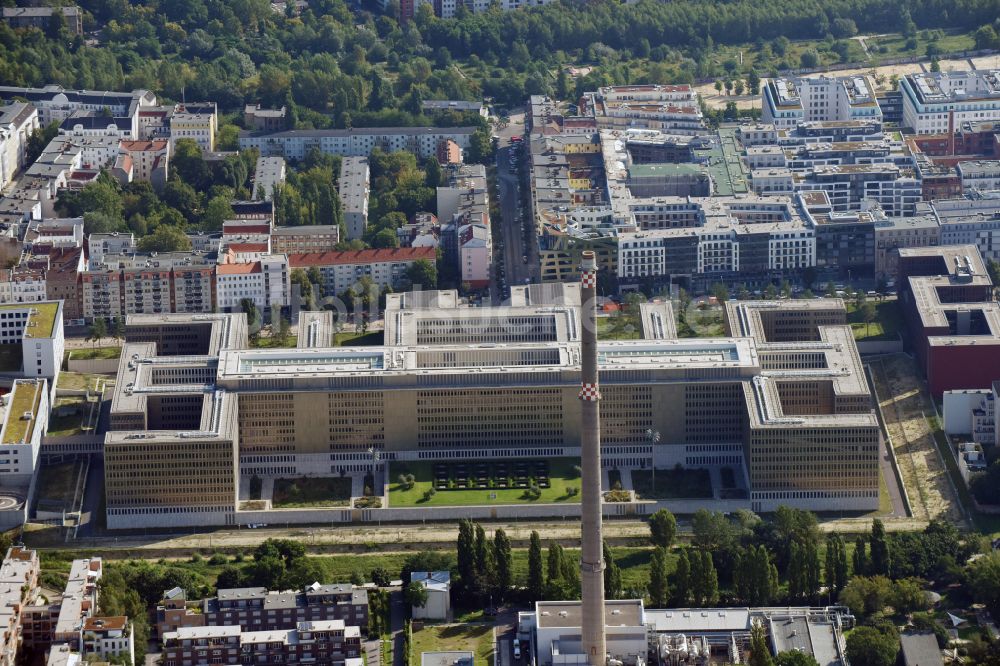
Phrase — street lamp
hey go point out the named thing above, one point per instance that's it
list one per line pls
(654, 438)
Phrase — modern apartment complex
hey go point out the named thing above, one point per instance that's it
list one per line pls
(935, 102)
(789, 102)
(497, 382)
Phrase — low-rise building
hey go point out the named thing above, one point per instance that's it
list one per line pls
(386, 267)
(149, 161)
(324, 643)
(437, 584)
(41, 17)
(258, 609)
(17, 122)
(108, 637)
(18, 582)
(264, 120)
(305, 239)
(356, 142)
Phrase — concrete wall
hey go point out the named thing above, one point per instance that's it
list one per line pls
(94, 366)
(880, 346)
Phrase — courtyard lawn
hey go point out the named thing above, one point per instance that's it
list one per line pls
(619, 327)
(68, 424)
(672, 484)
(350, 339)
(95, 353)
(310, 492)
(476, 638)
(562, 476)
(887, 325)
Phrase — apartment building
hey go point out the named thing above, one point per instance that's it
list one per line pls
(341, 271)
(324, 643)
(715, 236)
(265, 282)
(354, 187)
(148, 283)
(41, 17)
(269, 173)
(101, 245)
(18, 583)
(62, 280)
(464, 209)
(264, 120)
(788, 102)
(891, 234)
(936, 102)
(55, 103)
(149, 161)
(23, 284)
(198, 122)
(17, 122)
(982, 175)
(108, 637)
(258, 609)
(355, 142)
(668, 108)
(305, 239)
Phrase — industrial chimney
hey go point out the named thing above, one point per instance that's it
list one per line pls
(592, 559)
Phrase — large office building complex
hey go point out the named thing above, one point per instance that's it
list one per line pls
(935, 102)
(788, 102)
(783, 398)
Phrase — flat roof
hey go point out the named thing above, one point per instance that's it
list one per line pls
(566, 614)
(25, 399)
(41, 317)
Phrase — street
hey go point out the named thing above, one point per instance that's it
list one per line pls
(520, 258)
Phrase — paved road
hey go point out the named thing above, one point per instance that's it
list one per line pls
(397, 622)
(515, 247)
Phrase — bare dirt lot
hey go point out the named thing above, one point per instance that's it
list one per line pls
(906, 407)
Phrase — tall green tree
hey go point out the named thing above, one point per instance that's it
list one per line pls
(659, 591)
(536, 579)
(503, 557)
(760, 651)
(662, 528)
(612, 575)
(466, 550)
(682, 579)
(859, 559)
(879, 549)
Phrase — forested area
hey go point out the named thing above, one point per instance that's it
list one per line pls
(333, 66)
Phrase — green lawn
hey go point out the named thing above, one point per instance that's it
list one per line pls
(619, 327)
(274, 343)
(350, 339)
(70, 424)
(895, 45)
(309, 491)
(672, 483)
(477, 638)
(561, 476)
(77, 381)
(887, 325)
(57, 483)
(104, 353)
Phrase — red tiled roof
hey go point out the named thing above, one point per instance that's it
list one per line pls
(383, 255)
(239, 269)
(247, 247)
(142, 146)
